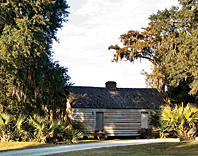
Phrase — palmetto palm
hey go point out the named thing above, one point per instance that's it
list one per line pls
(19, 132)
(6, 129)
(11, 127)
(181, 119)
(42, 128)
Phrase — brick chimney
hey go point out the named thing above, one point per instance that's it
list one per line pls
(111, 85)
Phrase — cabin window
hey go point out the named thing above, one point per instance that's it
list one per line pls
(144, 120)
(99, 121)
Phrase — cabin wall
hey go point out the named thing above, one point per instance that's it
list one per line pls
(116, 122)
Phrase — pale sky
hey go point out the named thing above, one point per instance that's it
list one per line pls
(93, 26)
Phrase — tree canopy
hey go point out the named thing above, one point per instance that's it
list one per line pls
(170, 43)
(30, 80)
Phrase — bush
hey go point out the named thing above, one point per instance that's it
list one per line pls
(160, 125)
(11, 127)
(37, 128)
(54, 131)
(6, 127)
(71, 135)
(179, 119)
(77, 125)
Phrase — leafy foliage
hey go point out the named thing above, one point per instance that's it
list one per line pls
(143, 45)
(179, 52)
(29, 79)
(6, 130)
(180, 119)
(179, 94)
(42, 128)
(53, 131)
(37, 128)
(11, 127)
(156, 79)
(170, 44)
(78, 125)
(160, 125)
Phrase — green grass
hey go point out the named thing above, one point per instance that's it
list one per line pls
(164, 149)
(175, 148)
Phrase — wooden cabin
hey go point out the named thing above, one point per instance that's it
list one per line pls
(113, 111)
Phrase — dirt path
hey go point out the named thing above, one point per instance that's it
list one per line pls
(75, 147)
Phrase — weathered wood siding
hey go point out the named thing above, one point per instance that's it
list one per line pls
(117, 122)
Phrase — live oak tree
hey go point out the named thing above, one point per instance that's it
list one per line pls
(30, 81)
(156, 79)
(170, 43)
(180, 93)
(143, 45)
(179, 52)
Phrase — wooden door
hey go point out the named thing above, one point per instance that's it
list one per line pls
(99, 121)
(144, 120)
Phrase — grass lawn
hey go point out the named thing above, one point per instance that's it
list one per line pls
(4, 146)
(174, 148)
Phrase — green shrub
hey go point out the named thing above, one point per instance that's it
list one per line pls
(6, 127)
(71, 135)
(77, 125)
(179, 119)
(11, 127)
(36, 128)
(160, 125)
(53, 131)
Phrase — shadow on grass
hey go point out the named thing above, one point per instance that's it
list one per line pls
(7, 146)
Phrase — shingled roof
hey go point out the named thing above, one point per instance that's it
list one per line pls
(121, 98)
